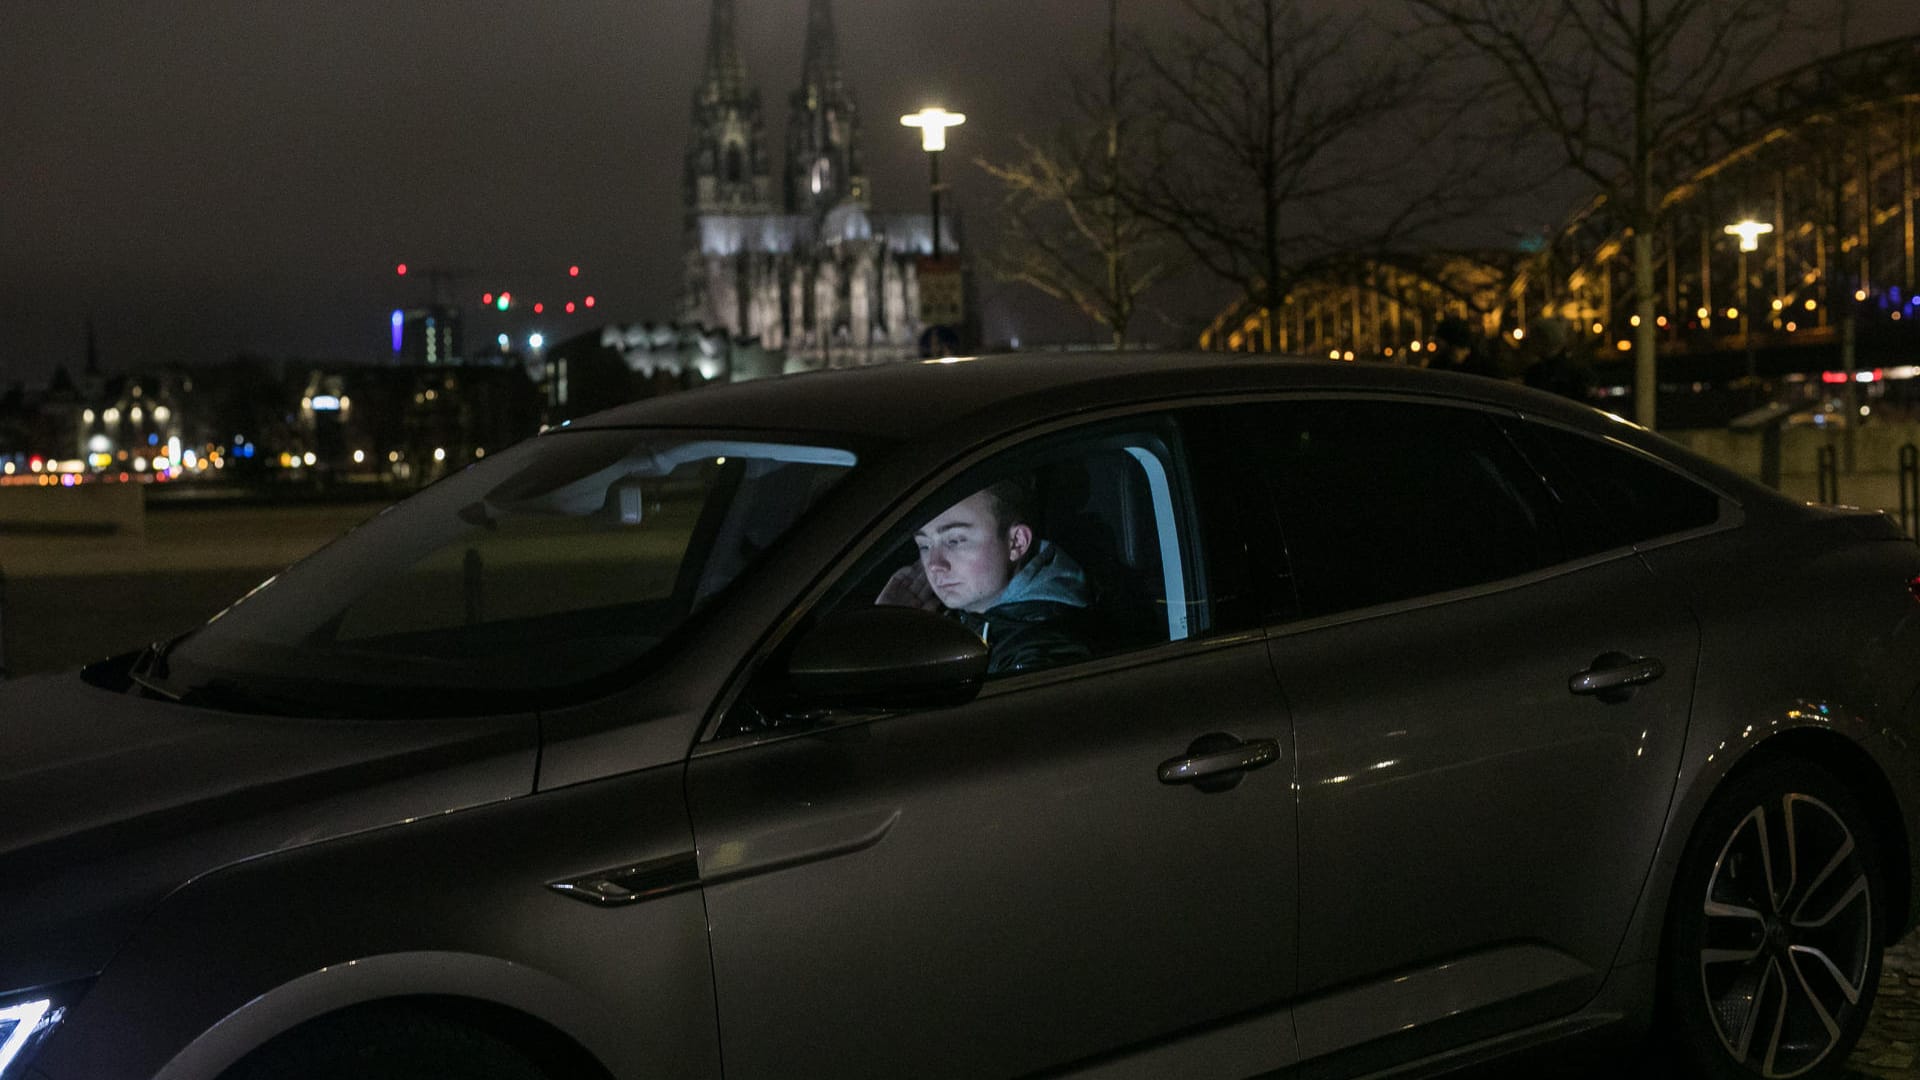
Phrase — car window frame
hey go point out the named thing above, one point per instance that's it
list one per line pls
(1284, 616)
(881, 530)
(1731, 513)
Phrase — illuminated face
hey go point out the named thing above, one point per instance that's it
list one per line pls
(968, 556)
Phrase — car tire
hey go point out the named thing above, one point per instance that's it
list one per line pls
(1775, 929)
(387, 1044)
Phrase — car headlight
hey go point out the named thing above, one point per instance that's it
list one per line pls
(26, 1020)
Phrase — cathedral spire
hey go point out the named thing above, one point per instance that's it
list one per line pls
(823, 126)
(820, 65)
(726, 77)
(727, 167)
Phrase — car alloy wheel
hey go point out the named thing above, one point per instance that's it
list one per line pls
(1782, 935)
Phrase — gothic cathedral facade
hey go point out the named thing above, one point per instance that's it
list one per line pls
(818, 276)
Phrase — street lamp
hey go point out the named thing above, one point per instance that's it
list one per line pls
(1749, 231)
(933, 123)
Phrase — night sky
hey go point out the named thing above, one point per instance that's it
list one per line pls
(210, 176)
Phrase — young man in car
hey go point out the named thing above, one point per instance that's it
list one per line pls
(982, 561)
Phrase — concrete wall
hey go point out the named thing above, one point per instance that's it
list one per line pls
(70, 598)
(96, 511)
(1872, 482)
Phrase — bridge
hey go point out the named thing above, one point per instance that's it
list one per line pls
(1821, 158)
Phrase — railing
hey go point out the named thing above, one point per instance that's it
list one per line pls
(1910, 489)
(1828, 465)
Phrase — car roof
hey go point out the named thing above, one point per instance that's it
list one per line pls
(975, 397)
(906, 400)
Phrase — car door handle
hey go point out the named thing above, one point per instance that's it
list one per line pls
(1220, 757)
(1612, 676)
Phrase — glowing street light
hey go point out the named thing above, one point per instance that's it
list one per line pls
(1749, 232)
(933, 123)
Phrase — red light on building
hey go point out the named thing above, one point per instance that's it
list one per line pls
(569, 307)
(487, 299)
(589, 301)
(573, 271)
(539, 308)
(401, 269)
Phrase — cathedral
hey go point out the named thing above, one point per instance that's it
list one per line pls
(817, 276)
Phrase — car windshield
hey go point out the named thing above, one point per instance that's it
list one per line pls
(562, 561)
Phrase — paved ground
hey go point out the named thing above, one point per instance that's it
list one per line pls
(1891, 1047)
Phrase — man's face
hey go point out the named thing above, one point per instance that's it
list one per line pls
(968, 556)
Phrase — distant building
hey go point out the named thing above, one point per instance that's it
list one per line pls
(429, 336)
(820, 278)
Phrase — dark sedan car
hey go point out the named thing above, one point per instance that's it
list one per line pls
(1074, 716)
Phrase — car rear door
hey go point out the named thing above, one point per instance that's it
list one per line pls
(1009, 885)
(1489, 705)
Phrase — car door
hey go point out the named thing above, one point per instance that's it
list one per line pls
(1489, 704)
(1009, 885)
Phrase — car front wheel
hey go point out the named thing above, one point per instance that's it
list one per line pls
(1775, 928)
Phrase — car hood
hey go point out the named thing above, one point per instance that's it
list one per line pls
(108, 801)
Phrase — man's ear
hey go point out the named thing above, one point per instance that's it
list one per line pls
(1019, 541)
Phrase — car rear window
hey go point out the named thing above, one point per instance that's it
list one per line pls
(1640, 498)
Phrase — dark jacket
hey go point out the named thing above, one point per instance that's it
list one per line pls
(1040, 619)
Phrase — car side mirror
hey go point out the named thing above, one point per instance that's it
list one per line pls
(883, 658)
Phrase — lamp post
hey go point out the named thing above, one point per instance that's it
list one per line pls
(933, 123)
(1749, 231)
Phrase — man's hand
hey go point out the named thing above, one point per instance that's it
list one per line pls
(909, 587)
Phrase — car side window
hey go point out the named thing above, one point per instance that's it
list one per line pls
(1640, 498)
(1381, 501)
(1072, 547)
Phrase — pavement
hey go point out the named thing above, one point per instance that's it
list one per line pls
(1890, 1050)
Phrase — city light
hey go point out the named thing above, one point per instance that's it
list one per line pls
(503, 301)
(536, 341)
(504, 340)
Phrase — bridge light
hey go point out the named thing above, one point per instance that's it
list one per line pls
(1749, 232)
(1860, 295)
(1519, 333)
(1599, 328)
(1635, 321)
(1661, 322)
(1733, 313)
(1778, 304)
(1812, 303)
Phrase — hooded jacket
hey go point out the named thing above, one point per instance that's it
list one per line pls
(1040, 619)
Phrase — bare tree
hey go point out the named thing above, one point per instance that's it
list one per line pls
(1608, 82)
(1067, 232)
(1291, 144)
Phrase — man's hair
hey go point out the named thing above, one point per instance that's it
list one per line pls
(1014, 502)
